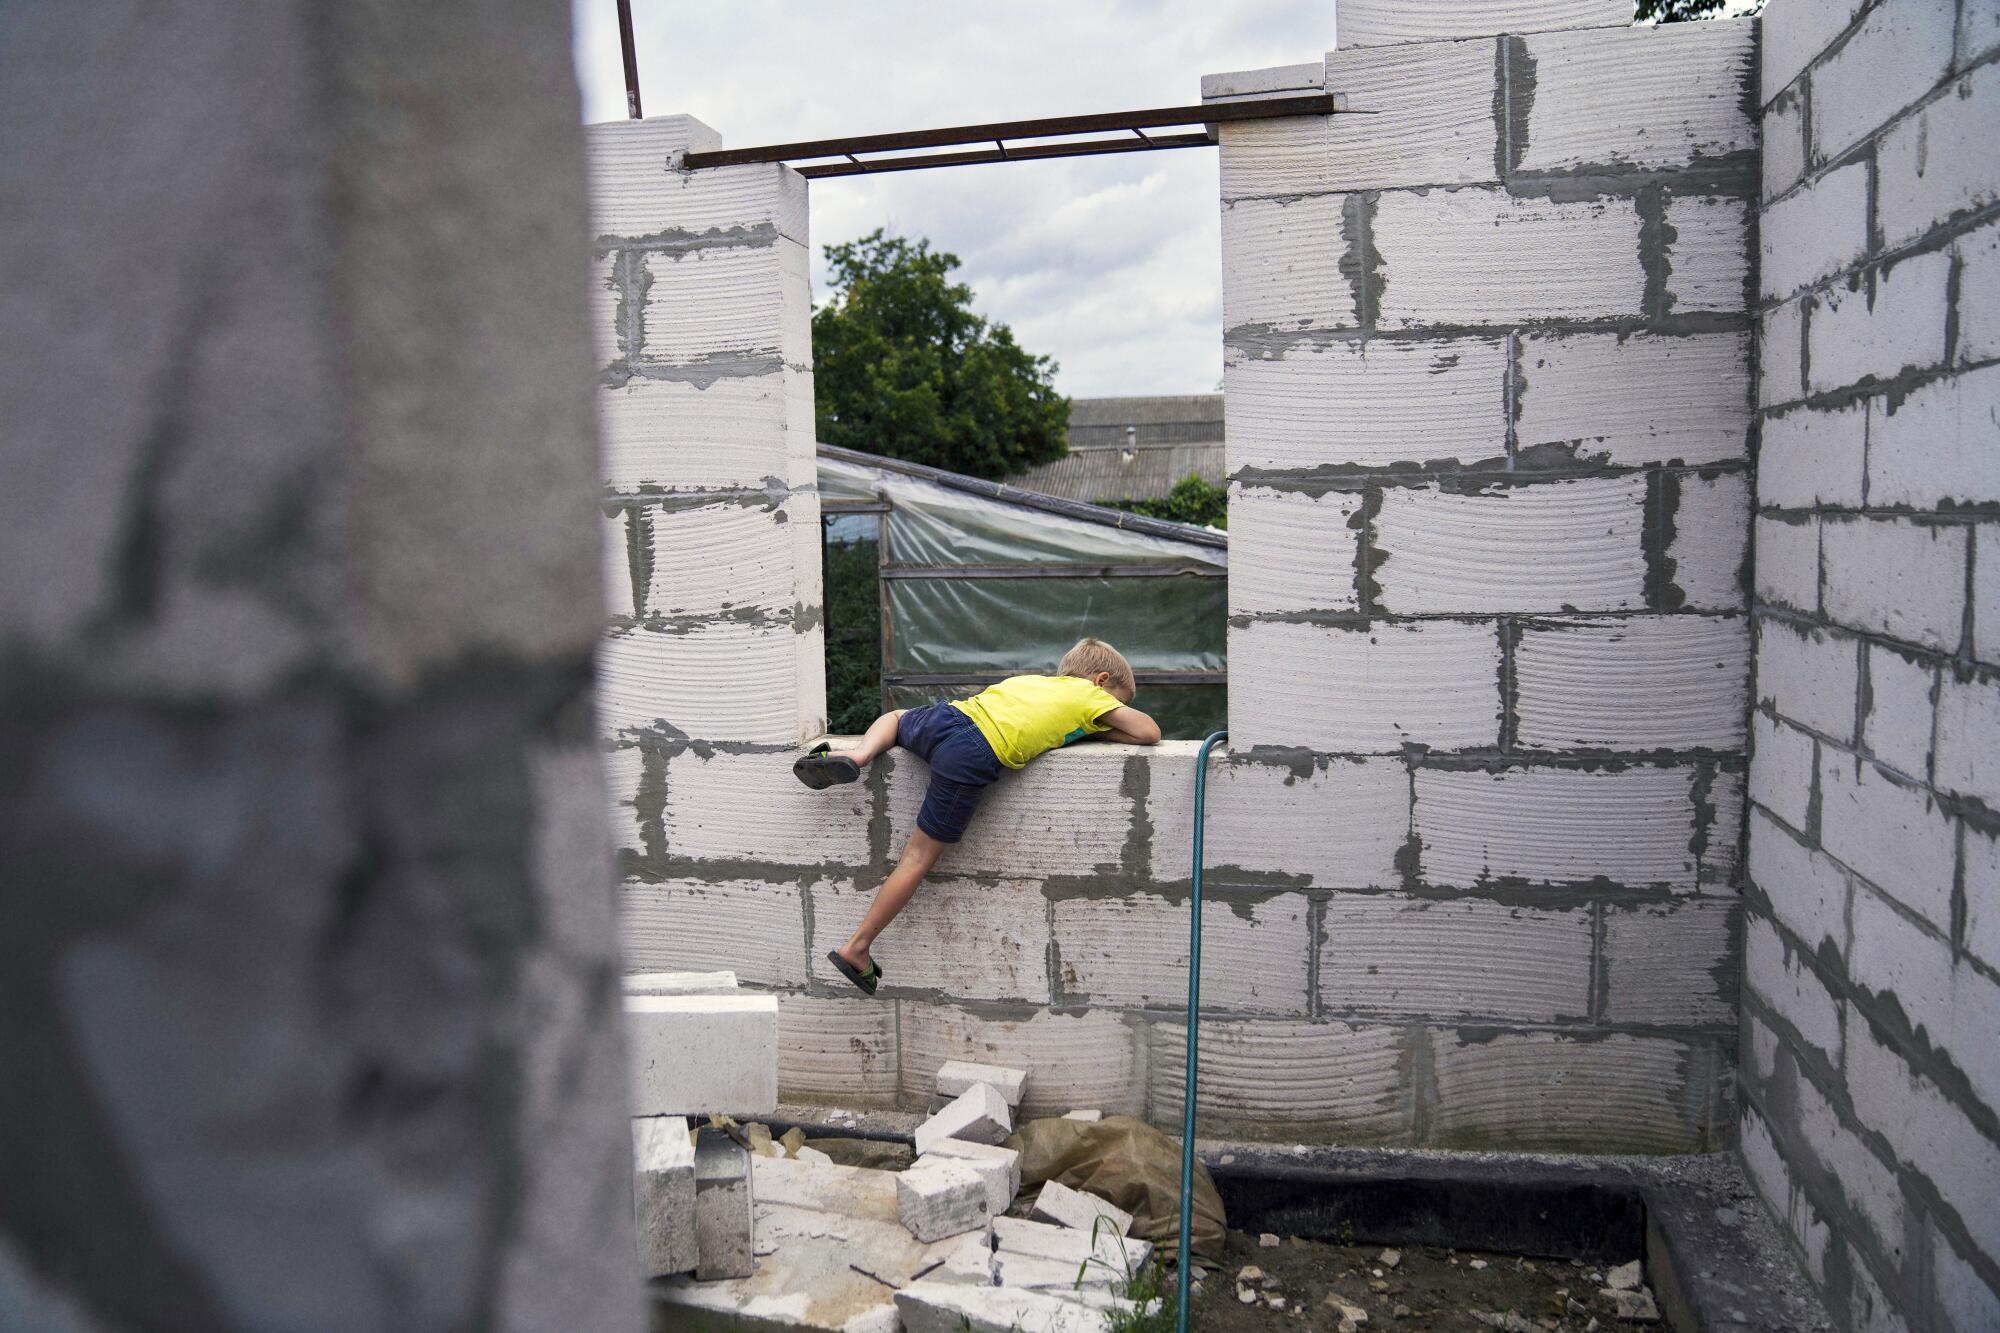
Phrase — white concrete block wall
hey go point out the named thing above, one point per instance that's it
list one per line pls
(1871, 993)
(1492, 413)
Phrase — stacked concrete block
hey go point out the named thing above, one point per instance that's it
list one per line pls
(663, 1195)
(1507, 444)
(1080, 1209)
(1871, 987)
(936, 1198)
(712, 658)
(999, 1168)
(703, 1053)
(979, 1114)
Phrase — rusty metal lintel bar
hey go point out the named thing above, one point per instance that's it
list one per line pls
(1140, 676)
(1019, 153)
(1052, 572)
(1120, 122)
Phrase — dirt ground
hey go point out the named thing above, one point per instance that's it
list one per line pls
(1429, 1291)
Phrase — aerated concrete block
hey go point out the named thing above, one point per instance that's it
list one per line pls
(1891, 320)
(1281, 265)
(703, 1054)
(1430, 116)
(722, 1207)
(1897, 578)
(755, 927)
(1781, 770)
(1898, 53)
(1090, 1117)
(998, 1167)
(732, 433)
(1809, 675)
(1817, 231)
(1132, 951)
(1556, 826)
(1389, 22)
(1033, 1273)
(1708, 259)
(1640, 398)
(1565, 260)
(1371, 404)
(1787, 569)
(1088, 1058)
(956, 1077)
(936, 1198)
(1636, 683)
(1808, 891)
(1710, 547)
(937, 1307)
(1290, 1079)
(1680, 96)
(1550, 546)
(968, 1260)
(979, 1114)
(649, 680)
(1432, 682)
(680, 983)
(1045, 1240)
(663, 1195)
(1935, 449)
(1809, 456)
(1968, 746)
(1076, 1208)
(1393, 954)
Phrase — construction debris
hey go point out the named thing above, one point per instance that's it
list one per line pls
(1625, 1277)
(722, 1207)
(663, 1194)
(1090, 1117)
(979, 1114)
(1073, 1208)
(1066, 1244)
(997, 1175)
(957, 1077)
(937, 1198)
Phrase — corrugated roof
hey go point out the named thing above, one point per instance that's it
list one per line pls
(1134, 448)
(1098, 476)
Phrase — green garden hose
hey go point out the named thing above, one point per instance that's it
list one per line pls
(1193, 1022)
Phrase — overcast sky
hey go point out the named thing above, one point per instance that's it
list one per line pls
(1111, 265)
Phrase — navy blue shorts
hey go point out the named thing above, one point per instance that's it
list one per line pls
(962, 766)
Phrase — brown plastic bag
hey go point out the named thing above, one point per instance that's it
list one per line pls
(1135, 1166)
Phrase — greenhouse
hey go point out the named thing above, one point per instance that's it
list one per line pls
(937, 584)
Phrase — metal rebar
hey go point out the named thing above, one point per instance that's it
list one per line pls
(631, 60)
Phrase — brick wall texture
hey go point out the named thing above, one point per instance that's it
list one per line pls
(1474, 852)
(1871, 995)
(1489, 367)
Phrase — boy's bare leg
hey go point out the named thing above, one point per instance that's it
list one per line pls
(920, 853)
(881, 734)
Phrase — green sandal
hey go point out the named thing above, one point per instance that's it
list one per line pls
(867, 981)
(820, 770)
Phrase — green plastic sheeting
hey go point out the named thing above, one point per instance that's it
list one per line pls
(941, 624)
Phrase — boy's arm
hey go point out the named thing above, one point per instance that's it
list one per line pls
(1129, 725)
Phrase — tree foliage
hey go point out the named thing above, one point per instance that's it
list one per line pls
(903, 367)
(1192, 500)
(1677, 11)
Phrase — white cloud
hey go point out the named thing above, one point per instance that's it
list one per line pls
(1111, 265)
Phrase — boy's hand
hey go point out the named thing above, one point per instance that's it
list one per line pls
(1130, 726)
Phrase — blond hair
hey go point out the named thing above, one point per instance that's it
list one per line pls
(1091, 656)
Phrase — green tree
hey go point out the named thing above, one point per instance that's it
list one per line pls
(902, 367)
(1192, 500)
(1678, 11)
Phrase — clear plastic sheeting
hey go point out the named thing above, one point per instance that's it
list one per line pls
(979, 586)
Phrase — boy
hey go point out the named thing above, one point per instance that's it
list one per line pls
(966, 742)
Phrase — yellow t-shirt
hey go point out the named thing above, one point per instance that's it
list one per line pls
(1024, 716)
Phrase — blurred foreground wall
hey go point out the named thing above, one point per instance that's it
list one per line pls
(307, 991)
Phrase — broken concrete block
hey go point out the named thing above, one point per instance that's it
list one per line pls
(941, 1307)
(1075, 1208)
(979, 1115)
(663, 1194)
(1633, 1306)
(851, 1191)
(680, 983)
(999, 1167)
(967, 1259)
(813, 1155)
(1038, 1274)
(955, 1077)
(1625, 1277)
(722, 1208)
(939, 1198)
(1090, 1117)
(1045, 1240)
(703, 1053)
